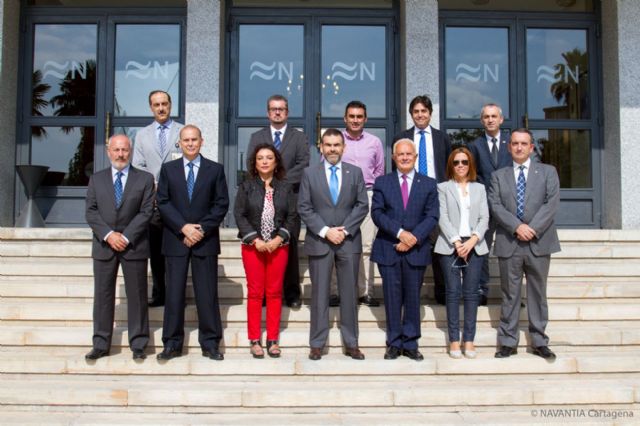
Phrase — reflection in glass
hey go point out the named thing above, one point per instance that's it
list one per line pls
(519, 5)
(557, 74)
(129, 131)
(353, 67)
(68, 151)
(570, 152)
(476, 70)
(244, 135)
(147, 59)
(459, 137)
(271, 62)
(64, 70)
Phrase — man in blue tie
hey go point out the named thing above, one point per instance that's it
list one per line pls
(193, 200)
(433, 149)
(524, 199)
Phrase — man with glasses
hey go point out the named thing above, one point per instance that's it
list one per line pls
(294, 149)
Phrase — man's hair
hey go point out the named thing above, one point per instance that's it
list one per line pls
(191, 126)
(421, 99)
(117, 136)
(155, 92)
(333, 132)
(277, 98)
(403, 140)
(473, 174)
(523, 130)
(491, 105)
(355, 104)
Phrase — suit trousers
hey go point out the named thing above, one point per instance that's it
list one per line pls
(401, 284)
(291, 284)
(535, 269)
(204, 271)
(156, 230)
(485, 276)
(105, 273)
(320, 269)
(265, 273)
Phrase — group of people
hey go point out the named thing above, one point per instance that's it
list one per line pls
(438, 206)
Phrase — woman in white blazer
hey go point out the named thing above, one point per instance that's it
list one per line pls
(464, 219)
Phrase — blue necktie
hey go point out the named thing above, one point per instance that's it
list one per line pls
(277, 142)
(191, 180)
(521, 186)
(422, 155)
(333, 185)
(118, 189)
(162, 138)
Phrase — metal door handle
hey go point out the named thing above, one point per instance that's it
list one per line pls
(107, 128)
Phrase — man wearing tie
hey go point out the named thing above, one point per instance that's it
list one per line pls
(193, 200)
(118, 209)
(154, 145)
(294, 149)
(524, 200)
(333, 203)
(491, 153)
(406, 210)
(433, 149)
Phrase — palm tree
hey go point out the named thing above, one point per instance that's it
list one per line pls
(37, 101)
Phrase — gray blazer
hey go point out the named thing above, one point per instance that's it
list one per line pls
(317, 210)
(449, 222)
(542, 197)
(146, 152)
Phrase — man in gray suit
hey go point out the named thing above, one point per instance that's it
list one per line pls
(333, 203)
(118, 208)
(154, 145)
(523, 199)
(294, 149)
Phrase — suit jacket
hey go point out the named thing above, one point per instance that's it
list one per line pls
(208, 206)
(294, 151)
(542, 197)
(317, 209)
(484, 163)
(388, 213)
(450, 216)
(146, 152)
(441, 149)
(131, 218)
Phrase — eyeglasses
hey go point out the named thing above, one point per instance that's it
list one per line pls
(277, 109)
(458, 162)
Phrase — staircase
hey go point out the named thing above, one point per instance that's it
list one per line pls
(46, 294)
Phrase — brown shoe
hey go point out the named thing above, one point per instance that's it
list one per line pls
(315, 354)
(354, 353)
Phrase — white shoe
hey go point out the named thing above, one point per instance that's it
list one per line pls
(470, 354)
(457, 354)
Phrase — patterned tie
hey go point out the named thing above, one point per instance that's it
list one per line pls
(277, 142)
(521, 186)
(494, 151)
(162, 138)
(333, 185)
(422, 154)
(118, 189)
(191, 180)
(404, 188)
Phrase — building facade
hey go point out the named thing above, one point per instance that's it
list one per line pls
(75, 72)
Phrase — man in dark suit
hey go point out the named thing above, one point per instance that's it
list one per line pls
(193, 200)
(433, 149)
(524, 199)
(119, 205)
(491, 153)
(294, 149)
(154, 145)
(405, 208)
(333, 203)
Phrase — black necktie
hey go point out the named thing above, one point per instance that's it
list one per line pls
(494, 151)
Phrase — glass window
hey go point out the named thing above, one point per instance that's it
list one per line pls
(147, 59)
(519, 5)
(557, 74)
(476, 70)
(570, 152)
(353, 68)
(68, 151)
(271, 62)
(64, 70)
(108, 3)
(244, 136)
(463, 136)
(369, 4)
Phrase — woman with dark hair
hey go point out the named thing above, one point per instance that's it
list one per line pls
(464, 219)
(265, 213)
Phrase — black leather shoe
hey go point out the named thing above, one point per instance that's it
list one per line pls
(413, 354)
(138, 354)
(294, 304)
(315, 354)
(354, 353)
(544, 352)
(506, 352)
(95, 354)
(155, 302)
(392, 353)
(484, 301)
(168, 353)
(213, 354)
(369, 301)
(334, 300)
